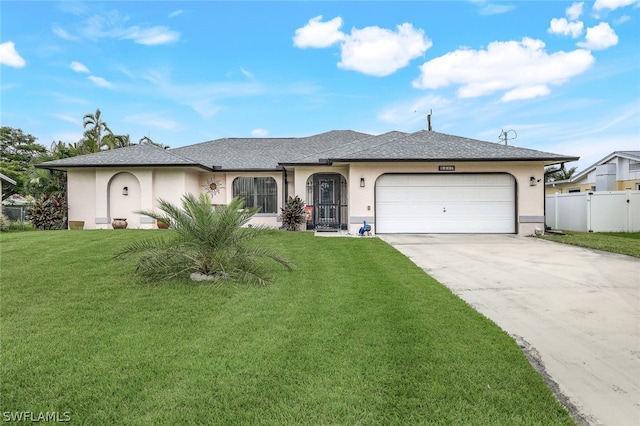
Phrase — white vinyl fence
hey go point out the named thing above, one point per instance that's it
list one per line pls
(610, 211)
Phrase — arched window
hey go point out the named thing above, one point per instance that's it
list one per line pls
(257, 192)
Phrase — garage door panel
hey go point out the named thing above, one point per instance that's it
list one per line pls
(475, 203)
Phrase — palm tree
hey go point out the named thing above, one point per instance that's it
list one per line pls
(554, 175)
(99, 136)
(206, 241)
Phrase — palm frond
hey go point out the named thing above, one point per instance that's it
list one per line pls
(210, 240)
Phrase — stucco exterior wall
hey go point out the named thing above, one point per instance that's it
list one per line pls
(81, 196)
(96, 195)
(529, 199)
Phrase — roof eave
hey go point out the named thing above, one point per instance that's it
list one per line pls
(547, 161)
(119, 166)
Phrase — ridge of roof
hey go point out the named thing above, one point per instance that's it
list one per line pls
(427, 145)
(348, 147)
(238, 156)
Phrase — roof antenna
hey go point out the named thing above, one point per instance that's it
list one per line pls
(428, 119)
(504, 136)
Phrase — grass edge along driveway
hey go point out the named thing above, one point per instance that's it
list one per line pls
(356, 334)
(627, 243)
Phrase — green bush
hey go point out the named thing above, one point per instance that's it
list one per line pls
(206, 244)
(293, 214)
(48, 212)
(4, 223)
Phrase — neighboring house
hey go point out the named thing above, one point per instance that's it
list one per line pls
(6, 179)
(423, 182)
(617, 171)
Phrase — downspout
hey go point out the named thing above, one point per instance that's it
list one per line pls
(285, 191)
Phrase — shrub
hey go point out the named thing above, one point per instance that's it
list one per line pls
(48, 212)
(293, 214)
(207, 243)
(4, 223)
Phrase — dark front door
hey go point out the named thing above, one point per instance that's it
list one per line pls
(327, 201)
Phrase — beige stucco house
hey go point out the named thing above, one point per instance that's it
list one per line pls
(423, 182)
(618, 171)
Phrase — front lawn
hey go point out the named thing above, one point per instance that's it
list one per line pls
(356, 334)
(615, 242)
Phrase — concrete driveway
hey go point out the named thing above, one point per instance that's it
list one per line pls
(574, 311)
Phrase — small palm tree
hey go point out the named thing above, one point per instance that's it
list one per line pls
(208, 241)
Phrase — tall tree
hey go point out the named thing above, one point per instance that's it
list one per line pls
(98, 136)
(18, 153)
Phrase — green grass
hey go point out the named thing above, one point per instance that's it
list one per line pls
(356, 334)
(615, 242)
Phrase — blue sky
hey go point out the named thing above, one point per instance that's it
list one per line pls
(565, 76)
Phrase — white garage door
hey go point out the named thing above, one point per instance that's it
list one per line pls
(445, 203)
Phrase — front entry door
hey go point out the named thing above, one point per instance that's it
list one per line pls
(327, 201)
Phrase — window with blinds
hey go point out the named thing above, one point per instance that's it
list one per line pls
(257, 192)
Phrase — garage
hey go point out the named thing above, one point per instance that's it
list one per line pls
(446, 203)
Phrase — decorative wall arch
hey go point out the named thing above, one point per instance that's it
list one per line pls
(124, 198)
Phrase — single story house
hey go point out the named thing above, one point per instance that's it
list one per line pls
(618, 171)
(422, 182)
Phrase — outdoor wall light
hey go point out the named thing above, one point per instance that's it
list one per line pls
(361, 182)
(125, 190)
(532, 181)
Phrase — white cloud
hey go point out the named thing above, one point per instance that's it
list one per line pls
(259, 133)
(151, 36)
(564, 27)
(380, 52)
(247, 73)
(176, 13)
(622, 19)
(79, 67)
(521, 69)
(370, 50)
(526, 92)
(574, 11)
(99, 81)
(63, 34)
(319, 34)
(599, 37)
(495, 9)
(487, 8)
(9, 55)
(612, 4)
(99, 24)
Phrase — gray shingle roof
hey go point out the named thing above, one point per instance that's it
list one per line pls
(334, 146)
(131, 156)
(264, 153)
(347, 148)
(425, 145)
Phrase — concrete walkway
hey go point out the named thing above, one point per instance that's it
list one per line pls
(575, 312)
